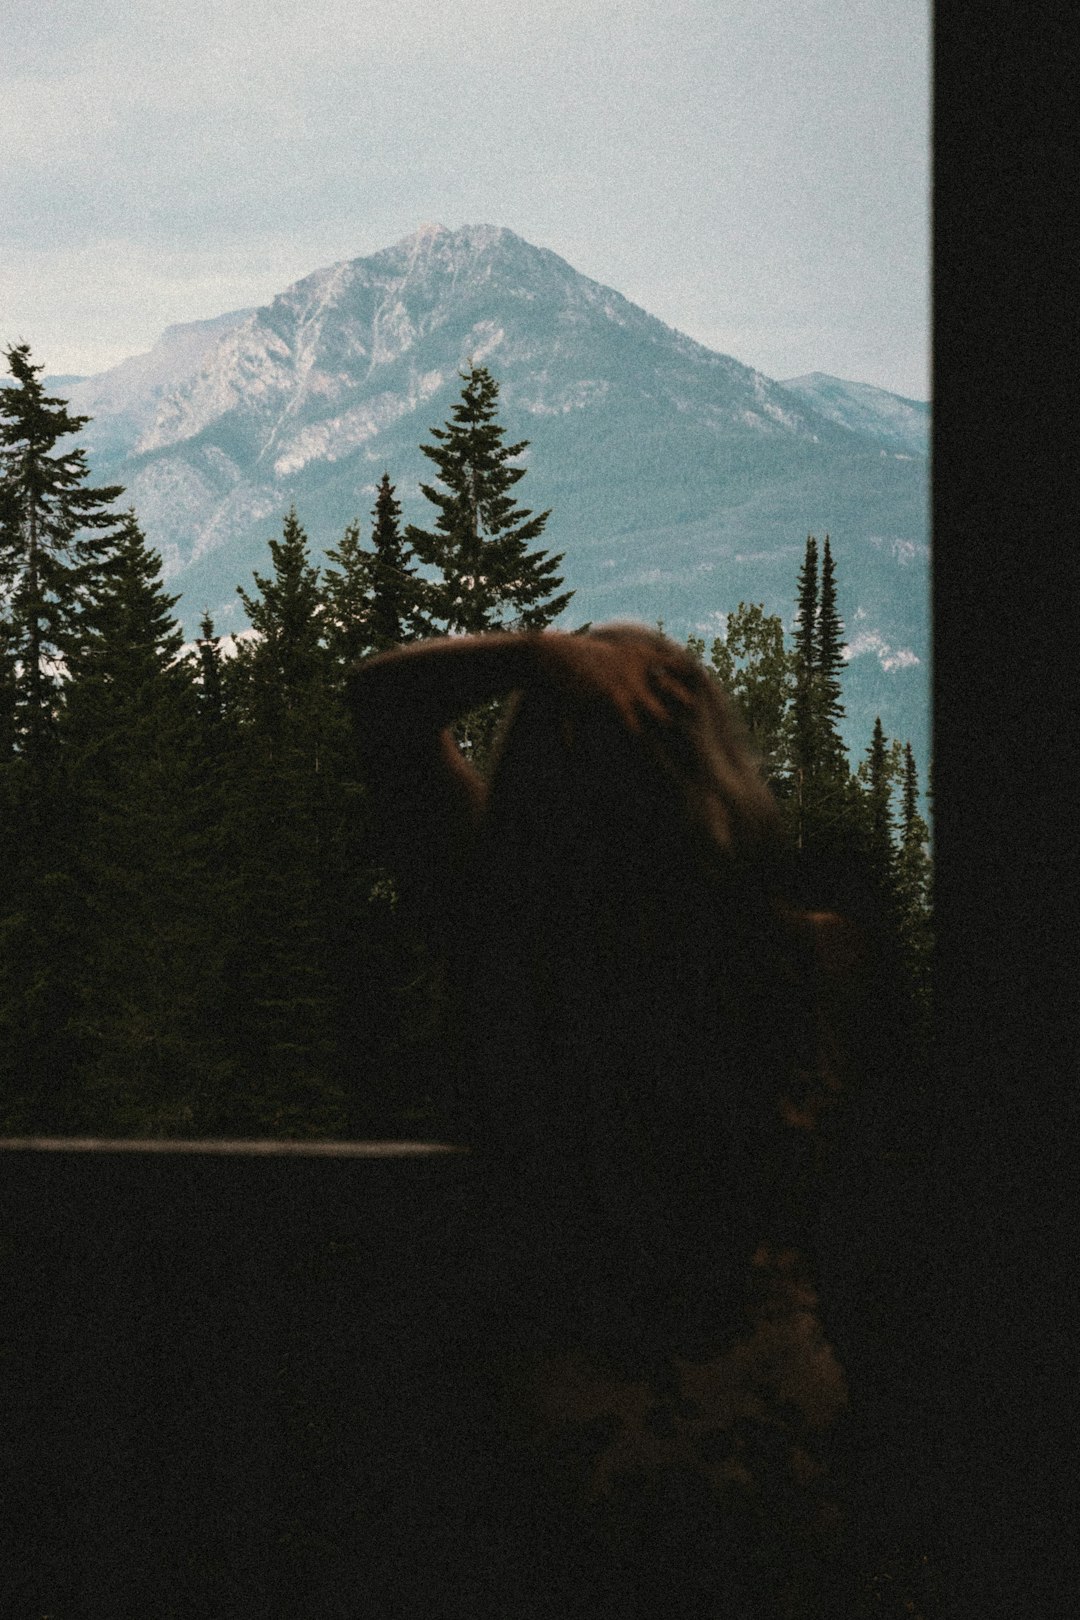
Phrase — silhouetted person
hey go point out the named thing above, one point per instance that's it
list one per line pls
(645, 1038)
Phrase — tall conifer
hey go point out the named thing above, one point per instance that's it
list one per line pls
(209, 680)
(129, 735)
(805, 739)
(481, 541)
(913, 880)
(53, 538)
(8, 675)
(396, 589)
(54, 542)
(283, 794)
(879, 803)
(374, 598)
(829, 661)
(824, 798)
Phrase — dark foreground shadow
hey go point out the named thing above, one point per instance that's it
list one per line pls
(274, 1383)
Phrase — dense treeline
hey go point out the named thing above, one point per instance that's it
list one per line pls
(195, 934)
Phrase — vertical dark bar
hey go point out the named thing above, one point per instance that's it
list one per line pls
(1005, 601)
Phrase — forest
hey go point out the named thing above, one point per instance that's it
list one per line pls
(197, 938)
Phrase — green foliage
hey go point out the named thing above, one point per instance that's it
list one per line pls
(757, 670)
(210, 687)
(279, 665)
(374, 599)
(52, 540)
(804, 716)
(42, 924)
(9, 666)
(53, 544)
(828, 664)
(284, 799)
(822, 793)
(790, 699)
(490, 578)
(130, 733)
(489, 575)
(97, 955)
(914, 876)
(195, 933)
(879, 776)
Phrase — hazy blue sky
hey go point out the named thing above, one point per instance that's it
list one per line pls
(755, 172)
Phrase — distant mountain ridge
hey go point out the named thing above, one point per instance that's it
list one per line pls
(899, 423)
(680, 480)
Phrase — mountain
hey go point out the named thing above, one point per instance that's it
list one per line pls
(680, 481)
(895, 422)
(122, 400)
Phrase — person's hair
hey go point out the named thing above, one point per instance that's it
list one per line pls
(633, 1004)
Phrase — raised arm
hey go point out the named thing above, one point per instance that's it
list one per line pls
(427, 797)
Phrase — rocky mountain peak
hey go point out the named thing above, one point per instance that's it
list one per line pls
(399, 322)
(680, 480)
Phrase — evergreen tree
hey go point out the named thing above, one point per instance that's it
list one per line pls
(285, 658)
(481, 541)
(879, 780)
(396, 588)
(284, 792)
(54, 541)
(913, 880)
(829, 661)
(489, 577)
(824, 797)
(210, 685)
(125, 635)
(9, 667)
(374, 599)
(54, 536)
(129, 735)
(805, 739)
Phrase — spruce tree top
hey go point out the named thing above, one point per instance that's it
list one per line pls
(39, 489)
(374, 599)
(807, 609)
(127, 625)
(830, 662)
(50, 553)
(481, 537)
(285, 614)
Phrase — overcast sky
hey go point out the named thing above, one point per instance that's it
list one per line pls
(754, 172)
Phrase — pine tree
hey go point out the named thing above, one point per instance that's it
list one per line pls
(481, 540)
(829, 661)
(374, 599)
(879, 779)
(805, 739)
(210, 686)
(286, 654)
(824, 798)
(284, 792)
(126, 632)
(54, 541)
(129, 732)
(396, 589)
(913, 880)
(54, 537)
(9, 668)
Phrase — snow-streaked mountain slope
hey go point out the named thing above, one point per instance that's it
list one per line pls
(898, 423)
(680, 480)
